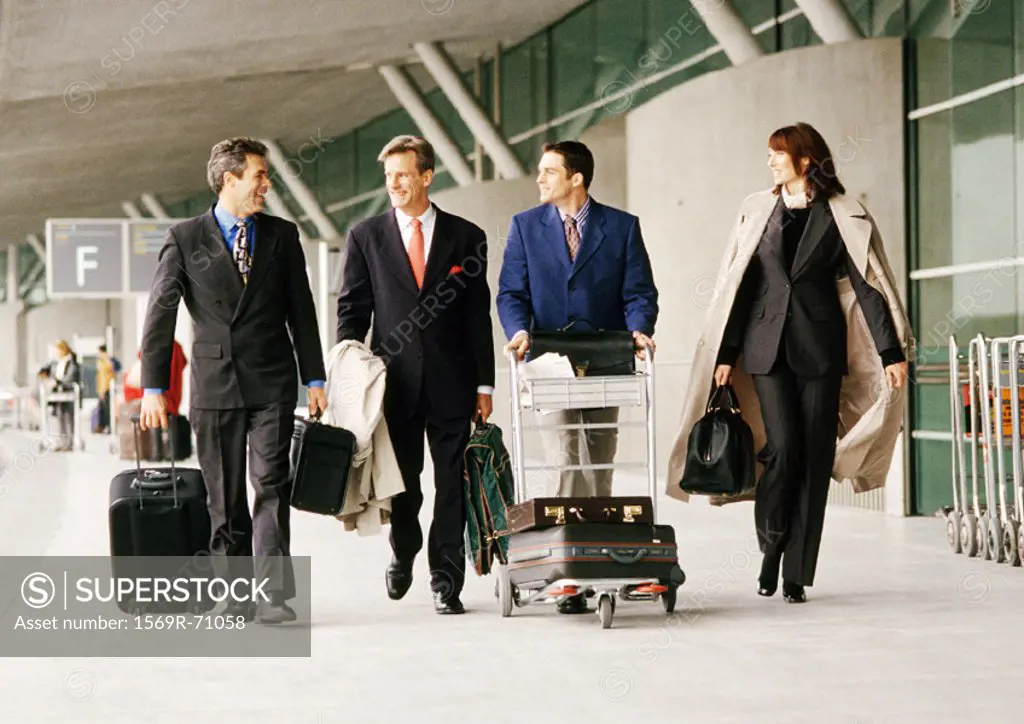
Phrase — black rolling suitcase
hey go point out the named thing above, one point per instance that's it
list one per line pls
(589, 551)
(157, 512)
(321, 457)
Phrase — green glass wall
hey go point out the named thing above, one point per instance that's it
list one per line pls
(968, 158)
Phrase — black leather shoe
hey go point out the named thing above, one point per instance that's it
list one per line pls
(793, 592)
(398, 578)
(275, 610)
(768, 581)
(573, 604)
(244, 609)
(449, 605)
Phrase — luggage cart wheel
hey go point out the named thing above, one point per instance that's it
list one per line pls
(668, 599)
(981, 535)
(504, 591)
(1020, 542)
(605, 610)
(969, 535)
(953, 525)
(993, 544)
(1011, 539)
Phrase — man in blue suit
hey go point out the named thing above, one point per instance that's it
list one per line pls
(575, 261)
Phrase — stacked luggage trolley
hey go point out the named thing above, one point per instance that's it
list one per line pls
(611, 549)
(985, 405)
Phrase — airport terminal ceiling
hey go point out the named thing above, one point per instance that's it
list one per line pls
(101, 100)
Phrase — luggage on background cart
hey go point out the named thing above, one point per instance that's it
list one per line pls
(625, 555)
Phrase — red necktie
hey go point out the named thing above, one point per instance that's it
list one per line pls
(417, 257)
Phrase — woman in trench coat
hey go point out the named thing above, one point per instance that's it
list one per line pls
(807, 326)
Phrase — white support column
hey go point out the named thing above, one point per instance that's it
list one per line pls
(13, 292)
(37, 247)
(432, 130)
(154, 207)
(40, 264)
(728, 28)
(441, 68)
(300, 192)
(830, 20)
(131, 210)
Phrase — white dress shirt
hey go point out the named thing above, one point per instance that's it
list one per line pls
(428, 219)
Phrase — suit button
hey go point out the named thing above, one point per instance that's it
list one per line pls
(216, 304)
(789, 314)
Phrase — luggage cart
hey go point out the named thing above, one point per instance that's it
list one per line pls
(957, 528)
(74, 396)
(1004, 525)
(1017, 527)
(636, 390)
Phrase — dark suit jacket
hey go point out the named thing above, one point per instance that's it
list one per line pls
(437, 340)
(242, 355)
(796, 311)
(610, 286)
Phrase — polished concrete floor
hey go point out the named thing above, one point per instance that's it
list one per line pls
(896, 629)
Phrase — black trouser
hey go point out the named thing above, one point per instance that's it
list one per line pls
(221, 437)
(801, 419)
(445, 543)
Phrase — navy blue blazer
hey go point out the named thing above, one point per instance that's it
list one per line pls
(609, 287)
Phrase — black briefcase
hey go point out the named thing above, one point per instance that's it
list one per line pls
(591, 353)
(538, 513)
(321, 457)
(720, 451)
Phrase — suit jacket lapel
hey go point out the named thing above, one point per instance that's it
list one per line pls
(265, 246)
(818, 222)
(222, 274)
(442, 246)
(772, 238)
(555, 237)
(593, 235)
(393, 248)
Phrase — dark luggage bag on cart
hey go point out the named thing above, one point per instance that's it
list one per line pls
(588, 551)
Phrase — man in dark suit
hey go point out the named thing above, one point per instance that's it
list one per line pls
(574, 262)
(242, 276)
(420, 274)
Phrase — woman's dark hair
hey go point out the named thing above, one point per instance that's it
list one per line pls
(803, 141)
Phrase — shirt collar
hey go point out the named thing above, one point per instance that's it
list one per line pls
(405, 220)
(581, 214)
(228, 220)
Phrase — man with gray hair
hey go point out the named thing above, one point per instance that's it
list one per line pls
(418, 277)
(242, 276)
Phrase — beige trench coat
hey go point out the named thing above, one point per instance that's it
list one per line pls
(870, 413)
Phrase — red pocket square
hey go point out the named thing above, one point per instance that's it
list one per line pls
(455, 269)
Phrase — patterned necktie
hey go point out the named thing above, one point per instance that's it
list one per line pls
(242, 256)
(572, 237)
(417, 255)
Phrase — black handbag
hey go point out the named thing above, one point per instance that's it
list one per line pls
(591, 353)
(720, 453)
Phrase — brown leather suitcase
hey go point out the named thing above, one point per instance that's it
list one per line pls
(541, 513)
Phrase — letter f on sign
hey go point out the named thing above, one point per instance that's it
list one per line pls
(82, 264)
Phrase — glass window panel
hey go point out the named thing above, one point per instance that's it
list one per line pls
(450, 119)
(966, 305)
(796, 33)
(756, 12)
(862, 12)
(933, 488)
(517, 90)
(4, 256)
(573, 64)
(620, 45)
(983, 46)
(336, 170)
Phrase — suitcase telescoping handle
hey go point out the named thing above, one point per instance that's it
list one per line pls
(141, 482)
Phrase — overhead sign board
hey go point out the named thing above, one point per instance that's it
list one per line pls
(102, 258)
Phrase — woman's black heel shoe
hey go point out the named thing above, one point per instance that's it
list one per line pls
(768, 581)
